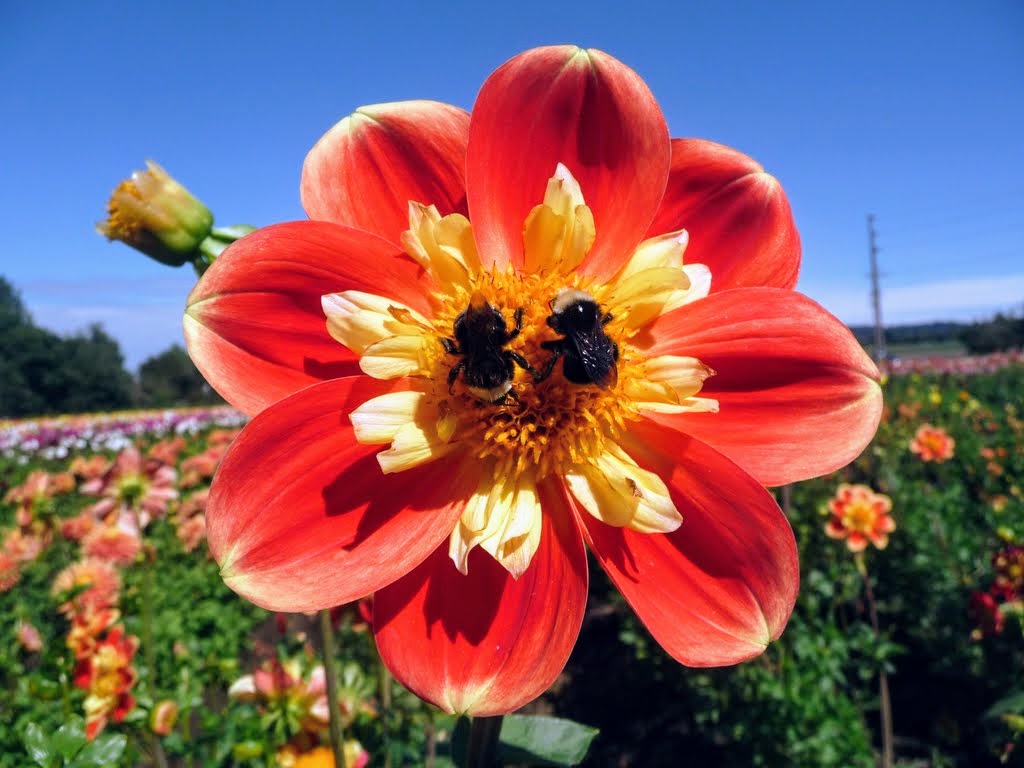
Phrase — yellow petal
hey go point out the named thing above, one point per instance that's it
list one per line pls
(443, 246)
(619, 493)
(559, 232)
(504, 518)
(644, 295)
(414, 444)
(700, 283)
(668, 384)
(358, 319)
(406, 420)
(662, 251)
(515, 541)
(378, 420)
(398, 356)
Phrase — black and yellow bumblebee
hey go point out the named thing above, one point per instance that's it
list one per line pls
(589, 356)
(481, 336)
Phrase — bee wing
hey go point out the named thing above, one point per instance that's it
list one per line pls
(597, 354)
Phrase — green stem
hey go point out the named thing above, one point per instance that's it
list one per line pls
(384, 690)
(185, 718)
(329, 651)
(149, 648)
(885, 704)
(483, 742)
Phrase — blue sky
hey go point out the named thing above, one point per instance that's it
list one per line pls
(912, 111)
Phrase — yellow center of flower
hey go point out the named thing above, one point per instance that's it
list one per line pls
(130, 489)
(554, 423)
(491, 378)
(860, 517)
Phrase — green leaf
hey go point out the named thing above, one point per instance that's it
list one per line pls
(69, 738)
(104, 751)
(547, 741)
(38, 746)
(1014, 703)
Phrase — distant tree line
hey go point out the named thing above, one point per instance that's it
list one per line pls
(43, 373)
(1003, 332)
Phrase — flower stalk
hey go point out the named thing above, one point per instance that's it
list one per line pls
(384, 691)
(483, 742)
(330, 672)
(149, 647)
(885, 703)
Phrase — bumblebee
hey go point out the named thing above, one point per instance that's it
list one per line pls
(480, 338)
(590, 357)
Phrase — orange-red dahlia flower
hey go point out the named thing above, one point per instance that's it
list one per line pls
(107, 677)
(323, 757)
(860, 515)
(561, 193)
(10, 572)
(131, 484)
(986, 615)
(165, 452)
(87, 627)
(28, 637)
(90, 469)
(283, 683)
(1008, 564)
(87, 586)
(932, 444)
(31, 496)
(118, 543)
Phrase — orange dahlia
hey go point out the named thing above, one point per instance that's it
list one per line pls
(932, 444)
(107, 677)
(485, 351)
(860, 515)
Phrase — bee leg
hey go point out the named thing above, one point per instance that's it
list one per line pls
(521, 361)
(511, 393)
(606, 319)
(557, 350)
(450, 346)
(518, 317)
(453, 374)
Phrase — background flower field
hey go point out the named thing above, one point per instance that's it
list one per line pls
(205, 678)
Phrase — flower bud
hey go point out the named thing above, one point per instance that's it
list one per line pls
(163, 717)
(29, 637)
(156, 215)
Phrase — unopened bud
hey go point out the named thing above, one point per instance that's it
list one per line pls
(156, 215)
(163, 717)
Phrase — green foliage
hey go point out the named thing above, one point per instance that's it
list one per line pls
(172, 379)
(1004, 331)
(67, 747)
(534, 740)
(41, 372)
(811, 700)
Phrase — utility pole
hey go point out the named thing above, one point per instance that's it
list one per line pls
(876, 293)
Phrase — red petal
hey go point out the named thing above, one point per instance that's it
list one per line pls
(581, 108)
(798, 395)
(366, 169)
(737, 216)
(721, 586)
(485, 644)
(254, 324)
(300, 516)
